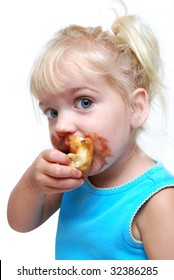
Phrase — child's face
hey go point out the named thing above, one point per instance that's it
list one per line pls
(90, 107)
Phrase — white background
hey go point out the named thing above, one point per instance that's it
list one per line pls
(25, 26)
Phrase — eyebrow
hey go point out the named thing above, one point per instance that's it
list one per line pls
(73, 90)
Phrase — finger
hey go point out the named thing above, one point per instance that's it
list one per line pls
(71, 185)
(60, 171)
(53, 155)
(52, 185)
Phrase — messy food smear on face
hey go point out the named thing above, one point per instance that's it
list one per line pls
(101, 147)
(60, 143)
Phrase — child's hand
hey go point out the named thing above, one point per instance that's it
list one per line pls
(51, 173)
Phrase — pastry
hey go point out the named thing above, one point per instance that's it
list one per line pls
(81, 154)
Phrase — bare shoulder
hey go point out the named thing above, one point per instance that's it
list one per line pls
(162, 200)
(155, 223)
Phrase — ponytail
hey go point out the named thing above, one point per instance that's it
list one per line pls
(137, 36)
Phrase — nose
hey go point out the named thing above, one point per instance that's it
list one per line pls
(65, 125)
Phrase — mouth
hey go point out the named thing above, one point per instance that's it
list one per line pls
(60, 143)
(64, 145)
(102, 150)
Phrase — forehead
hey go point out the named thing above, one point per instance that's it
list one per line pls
(72, 76)
(76, 83)
(60, 68)
(79, 79)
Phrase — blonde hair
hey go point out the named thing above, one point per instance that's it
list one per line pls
(128, 57)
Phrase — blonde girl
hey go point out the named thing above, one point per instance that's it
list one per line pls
(101, 84)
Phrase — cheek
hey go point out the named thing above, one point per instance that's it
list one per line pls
(54, 137)
(111, 138)
(54, 140)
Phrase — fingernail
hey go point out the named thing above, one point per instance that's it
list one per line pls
(76, 173)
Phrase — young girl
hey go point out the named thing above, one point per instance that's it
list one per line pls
(100, 84)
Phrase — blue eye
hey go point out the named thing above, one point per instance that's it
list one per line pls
(84, 103)
(51, 114)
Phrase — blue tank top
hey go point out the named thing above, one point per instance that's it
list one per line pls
(95, 224)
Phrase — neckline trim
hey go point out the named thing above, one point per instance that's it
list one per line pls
(126, 185)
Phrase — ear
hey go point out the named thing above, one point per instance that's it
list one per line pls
(139, 107)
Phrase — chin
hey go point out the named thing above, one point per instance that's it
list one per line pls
(97, 168)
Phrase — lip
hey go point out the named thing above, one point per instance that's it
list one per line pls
(64, 145)
(60, 143)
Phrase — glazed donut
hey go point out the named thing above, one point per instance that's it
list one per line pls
(81, 154)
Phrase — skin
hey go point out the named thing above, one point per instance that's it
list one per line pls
(72, 111)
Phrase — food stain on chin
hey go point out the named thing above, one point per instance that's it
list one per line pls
(101, 149)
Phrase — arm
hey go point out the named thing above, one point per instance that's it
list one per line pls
(39, 192)
(156, 225)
